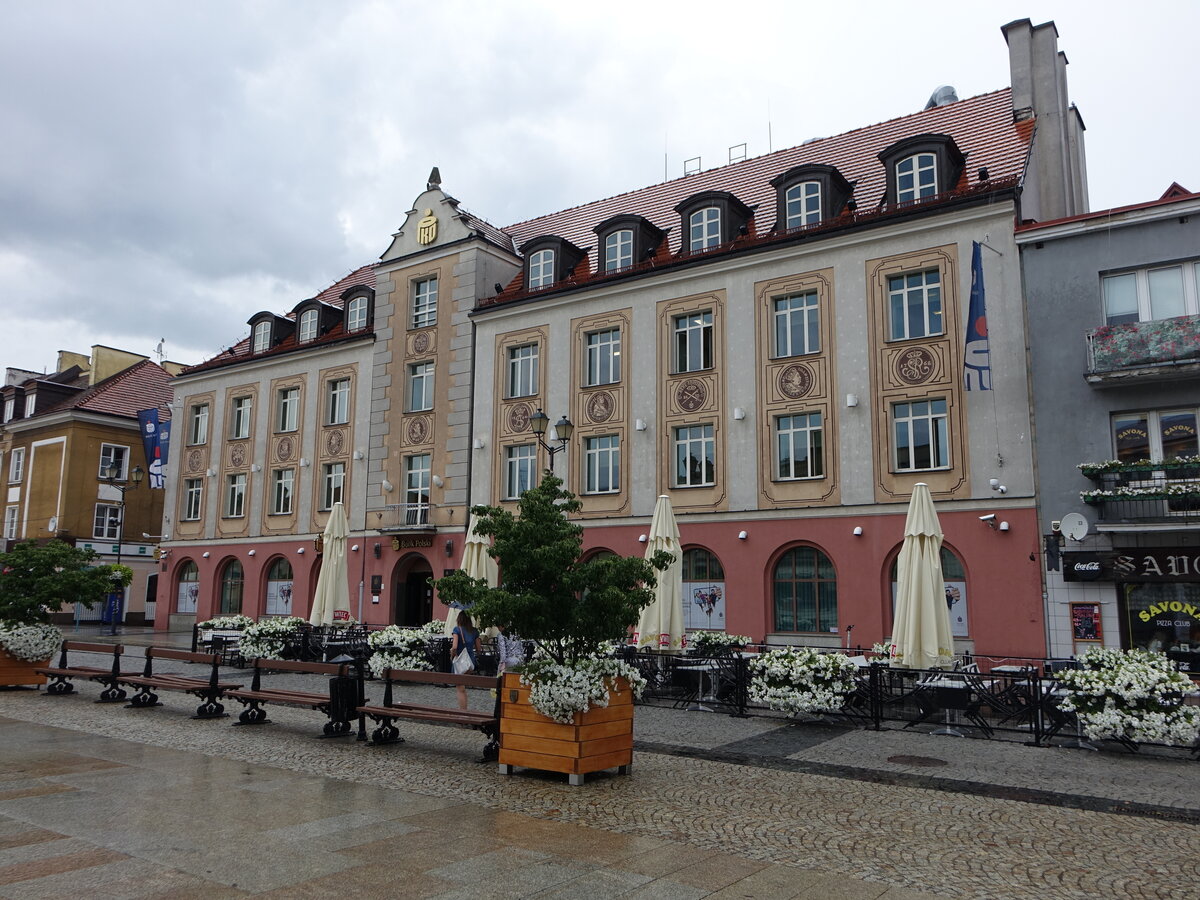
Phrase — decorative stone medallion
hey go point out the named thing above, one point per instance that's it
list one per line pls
(418, 430)
(335, 443)
(237, 455)
(601, 406)
(421, 342)
(518, 417)
(796, 381)
(914, 365)
(691, 395)
(283, 450)
(194, 459)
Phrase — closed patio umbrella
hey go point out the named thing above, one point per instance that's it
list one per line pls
(477, 563)
(661, 623)
(921, 632)
(333, 591)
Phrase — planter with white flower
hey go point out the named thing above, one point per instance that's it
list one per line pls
(268, 638)
(35, 581)
(1131, 696)
(569, 709)
(799, 680)
(401, 647)
(710, 643)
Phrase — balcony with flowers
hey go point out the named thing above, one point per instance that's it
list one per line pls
(1156, 350)
(1144, 490)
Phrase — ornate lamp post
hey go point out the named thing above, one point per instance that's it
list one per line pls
(563, 429)
(111, 473)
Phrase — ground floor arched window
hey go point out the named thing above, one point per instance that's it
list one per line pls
(279, 588)
(703, 590)
(955, 576)
(188, 590)
(804, 591)
(232, 586)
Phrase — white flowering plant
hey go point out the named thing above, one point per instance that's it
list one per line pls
(560, 691)
(1131, 695)
(400, 647)
(267, 638)
(32, 643)
(226, 623)
(714, 641)
(884, 653)
(799, 680)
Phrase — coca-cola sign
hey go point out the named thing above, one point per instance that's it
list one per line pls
(1163, 564)
(1085, 567)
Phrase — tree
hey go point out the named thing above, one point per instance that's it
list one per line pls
(37, 579)
(546, 594)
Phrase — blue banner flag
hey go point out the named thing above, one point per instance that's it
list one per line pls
(977, 367)
(152, 442)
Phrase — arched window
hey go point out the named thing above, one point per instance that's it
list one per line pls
(262, 337)
(279, 588)
(232, 584)
(541, 269)
(955, 577)
(805, 591)
(308, 326)
(703, 590)
(618, 250)
(188, 590)
(803, 204)
(356, 313)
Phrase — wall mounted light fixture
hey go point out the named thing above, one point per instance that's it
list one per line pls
(300, 550)
(303, 463)
(852, 399)
(255, 467)
(1004, 526)
(388, 487)
(997, 486)
(357, 454)
(205, 555)
(641, 538)
(251, 553)
(742, 535)
(858, 531)
(639, 424)
(477, 443)
(377, 550)
(739, 413)
(450, 546)
(355, 548)
(437, 481)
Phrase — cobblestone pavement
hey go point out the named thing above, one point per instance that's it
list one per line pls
(716, 806)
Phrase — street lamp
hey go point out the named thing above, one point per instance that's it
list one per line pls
(563, 429)
(111, 473)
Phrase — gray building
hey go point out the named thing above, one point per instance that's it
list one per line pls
(1113, 305)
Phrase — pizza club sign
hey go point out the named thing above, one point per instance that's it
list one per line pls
(1171, 564)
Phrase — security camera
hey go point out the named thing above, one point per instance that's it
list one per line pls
(988, 518)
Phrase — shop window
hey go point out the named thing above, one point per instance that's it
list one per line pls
(187, 592)
(804, 589)
(232, 586)
(279, 588)
(703, 590)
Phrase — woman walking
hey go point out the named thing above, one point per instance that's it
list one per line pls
(464, 637)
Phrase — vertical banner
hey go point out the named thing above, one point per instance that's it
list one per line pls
(977, 365)
(151, 441)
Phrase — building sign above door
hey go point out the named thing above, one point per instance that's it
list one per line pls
(1167, 564)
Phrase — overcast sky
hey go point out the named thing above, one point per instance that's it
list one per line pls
(168, 169)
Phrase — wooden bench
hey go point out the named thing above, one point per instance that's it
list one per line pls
(337, 705)
(106, 675)
(390, 710)
(209, 690)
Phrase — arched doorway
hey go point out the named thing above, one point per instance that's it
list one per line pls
(412, 593)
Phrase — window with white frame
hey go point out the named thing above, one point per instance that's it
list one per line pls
(337, 401)
(356, 313)
(420, 386)
(287, 409)
(915, 304)
(541, 269)
(799, 446)
(1162, 292)
(523, 370)
(604, 357)
(30, 404)
(333, 481)
(797, 324)
(425, 301)
(197, 423)
(916, 177)
(239, 417)
(803, 204)
(107, 524)
(114, 453)
(618, 250)
(235, 496)
(520, 469)
(16, 465)
(920, 429)
(10, 522)
(695, 456)
(193, 494)
(10, 409)
(416, 489)
(1155, 434)
(308, 326)
(704, 228)
(262, 337)
(693, 341)
(602, 464)
(282, 490)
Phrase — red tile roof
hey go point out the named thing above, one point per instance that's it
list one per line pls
(144, 385)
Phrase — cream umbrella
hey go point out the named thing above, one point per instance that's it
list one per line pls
(477, 563)
(333, 591)
(661, 623)
(921, 633)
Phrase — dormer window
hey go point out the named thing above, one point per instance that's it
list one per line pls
(262, 337)
(308, 326)
(626, 241)
(922, 166)
(712, 218)
(808, 195)
(549, 260)
(358, 303)
(356, 314)
(618, 250)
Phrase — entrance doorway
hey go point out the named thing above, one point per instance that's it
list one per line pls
(413, 603)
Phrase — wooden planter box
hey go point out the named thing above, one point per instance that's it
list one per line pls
(14, 670)
(601, 738)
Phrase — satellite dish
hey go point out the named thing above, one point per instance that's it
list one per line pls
(1074, 526)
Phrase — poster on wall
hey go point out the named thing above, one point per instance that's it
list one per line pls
(279, 598)
(704, 605)
(1085, 622)
(956, 602)
(189, 593)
